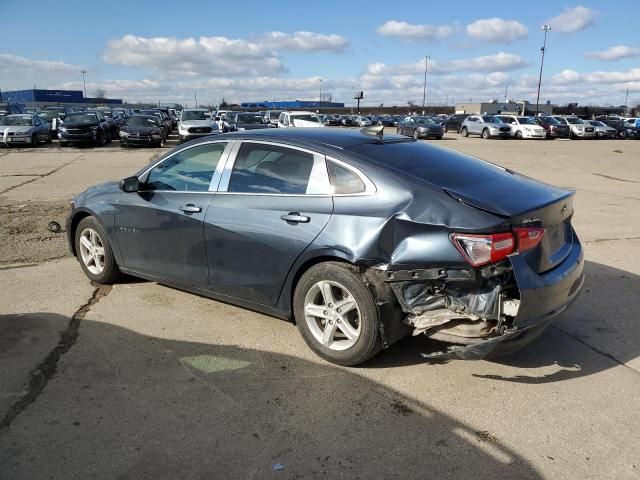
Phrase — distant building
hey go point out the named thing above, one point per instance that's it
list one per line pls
(41, 98)
(292, 105)
(494, 108)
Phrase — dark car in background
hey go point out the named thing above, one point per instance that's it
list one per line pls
(553, 127)
(170, 114)
(115, 120)
(142, 130)
(421, 127)
(162, 117)
(347, 121)
(53, 115)
(247, 121)
(329, 120)
(454, 122)
(472, 255)
(84, 128)
(624, 128)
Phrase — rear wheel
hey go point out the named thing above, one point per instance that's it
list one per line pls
(94, 252)
(518, 135)
(99, 139)
(49, 138)
(336, 314)
(485, 134)
(465, 132)
(34, 140)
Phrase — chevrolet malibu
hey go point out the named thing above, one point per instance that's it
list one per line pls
(359, 239)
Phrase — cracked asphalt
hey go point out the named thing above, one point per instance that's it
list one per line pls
(143, 381)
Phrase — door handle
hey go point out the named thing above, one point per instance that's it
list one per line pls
(190, 208)
(295, 217)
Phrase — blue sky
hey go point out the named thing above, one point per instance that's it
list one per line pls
(287, 50)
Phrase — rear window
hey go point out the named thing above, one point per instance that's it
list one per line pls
(440, 167)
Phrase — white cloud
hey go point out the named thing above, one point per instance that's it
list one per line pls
(18, 72)
(497, 30)
(304, 41)
(499, 62)
(571, 77)
(206, 56)
(572, 19)
(615, 53)
(409, 31)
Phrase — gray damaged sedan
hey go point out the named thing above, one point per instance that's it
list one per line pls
(359, 239)
(21, 129)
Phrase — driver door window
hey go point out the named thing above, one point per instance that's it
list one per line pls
(189, 170)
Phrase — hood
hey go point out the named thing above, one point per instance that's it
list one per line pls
(251, 126)
(305, 123)
(14, 128)
(102, 188)
(78, 125)
(196, 123)
(138, 129)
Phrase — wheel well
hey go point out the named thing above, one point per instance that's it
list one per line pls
(303, 268)
(74, 224)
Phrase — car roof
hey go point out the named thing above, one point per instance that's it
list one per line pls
(332, 137)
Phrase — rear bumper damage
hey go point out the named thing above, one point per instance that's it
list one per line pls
(488, 311)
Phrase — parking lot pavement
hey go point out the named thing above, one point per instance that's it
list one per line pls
(164, 384)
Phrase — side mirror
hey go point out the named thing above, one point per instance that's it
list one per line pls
(130, 184)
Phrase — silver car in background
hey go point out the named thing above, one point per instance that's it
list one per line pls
(603, 130)
(194, 123)
(578, 128)
(487, 126)
(24, 129)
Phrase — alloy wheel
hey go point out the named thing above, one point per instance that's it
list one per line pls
(332, 315)
(92, 251)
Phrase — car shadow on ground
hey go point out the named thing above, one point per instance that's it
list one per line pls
(602, 321)
(126, 405)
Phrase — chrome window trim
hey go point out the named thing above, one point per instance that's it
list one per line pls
(217, 174)
(369, 186)
(318, 171)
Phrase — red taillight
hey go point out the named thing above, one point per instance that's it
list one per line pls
(482, 249)
(528, 238)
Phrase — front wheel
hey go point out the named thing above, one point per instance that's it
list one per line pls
(34, 140)
(337, 314)
(49, 138)
(465, 132)
(94, 252)
(518, 135)
(485, 134)
(415, 135)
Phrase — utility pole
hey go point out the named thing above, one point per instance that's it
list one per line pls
(505, 93)
(424, 88)
(626, 99)
(320, 98)
(84, 84)
(546, 28)
(195, 97)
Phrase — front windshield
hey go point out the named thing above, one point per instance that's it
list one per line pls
(194, 115)
(595, 123)
(526, 121)
(306, 118)
(575, 121)
(81, 118)
(143, 121)
(17, 120)
(249, 119)
(49, 114)
(425, 121)
(491, 119)
(550, 121)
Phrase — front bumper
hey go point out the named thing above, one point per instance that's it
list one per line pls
(532, 135)
(77, 137)
(583, 134)
(430, 134)
(15, 140)
(499, 134)
(186, 136)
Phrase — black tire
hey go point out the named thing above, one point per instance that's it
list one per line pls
(465, 132)
(518, 135)
(34, 140)
(369, 342)
(485, 134)
(49, 138)
(64, 144)
(110, 273)
(446, 128)
(99, 139)
(415, 135)
(440, 137)
(108, 137)
(572, 136)
(623, 134)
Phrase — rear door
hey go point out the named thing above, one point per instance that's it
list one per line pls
(273, 201)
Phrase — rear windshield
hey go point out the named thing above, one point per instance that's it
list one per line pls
(488, 119)
(437, 166)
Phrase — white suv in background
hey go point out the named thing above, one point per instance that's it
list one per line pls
(523, 127)
(578, 128)
(299, 120)
(196, 122)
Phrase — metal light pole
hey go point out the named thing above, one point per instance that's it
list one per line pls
(424, 88)
(546, 28)
(320, 98)
(84, 83)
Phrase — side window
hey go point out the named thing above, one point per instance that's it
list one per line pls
(343, 180)
(270, 169)
(190, 170)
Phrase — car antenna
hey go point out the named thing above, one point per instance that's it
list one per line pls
(373, 131)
